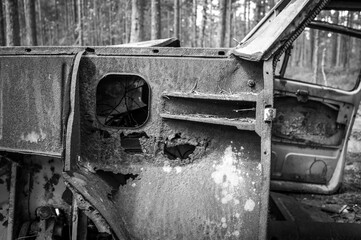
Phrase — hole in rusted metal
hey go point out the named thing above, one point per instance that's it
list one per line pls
(115, 180)
(131, 142)
(122, 101)
(27, 49)
(155, 51)
(221, 53)
(181, 151)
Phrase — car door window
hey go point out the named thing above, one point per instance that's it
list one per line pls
(324, 57)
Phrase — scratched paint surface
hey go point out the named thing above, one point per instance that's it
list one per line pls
(216, 197)
(31, 103)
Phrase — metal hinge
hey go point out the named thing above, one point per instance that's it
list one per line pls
(302, 95)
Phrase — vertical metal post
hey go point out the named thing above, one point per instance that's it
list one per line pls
(12, 197)
(268, 74)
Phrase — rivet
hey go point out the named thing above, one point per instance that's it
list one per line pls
(251, 83)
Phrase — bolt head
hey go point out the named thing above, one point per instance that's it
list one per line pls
(251, 83)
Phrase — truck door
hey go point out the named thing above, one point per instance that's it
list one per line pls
(317, 102)
(315, 108)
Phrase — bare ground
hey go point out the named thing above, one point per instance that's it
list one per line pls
(347, 198)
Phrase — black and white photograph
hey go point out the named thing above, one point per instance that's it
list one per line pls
(180, 119)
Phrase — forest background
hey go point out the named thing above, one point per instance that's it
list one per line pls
(196, 23)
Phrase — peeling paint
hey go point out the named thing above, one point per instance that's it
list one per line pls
(249, 206)
(33, 137)
(178, 169)
(227, 172)
(167, 168)
(259, 167)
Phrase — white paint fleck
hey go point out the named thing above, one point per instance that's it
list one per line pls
(242, 148)
(249, 206)
(236, 233)
(224, 225)
(166, 167)
(237, 215)
(227, 199)
(32, 137)
(259, 167)
(178, 169)
(236, 201)
(223, 220)
(226, 171)
(133, 184)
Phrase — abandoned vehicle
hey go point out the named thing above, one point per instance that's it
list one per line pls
(153, 141)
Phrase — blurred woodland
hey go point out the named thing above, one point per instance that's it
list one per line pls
(197, 23)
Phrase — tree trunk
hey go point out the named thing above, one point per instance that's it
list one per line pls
(40, 24)
(315, 56)
(75, 6)
(127, 21)
(323, 65)
(248, 15)
(169, 30)
(229, 25)
(222, 22)
(155, 19)
(12, 23)
(347, 52)
(56, 20)
(260, 10)
(30, 22)
(203, 24)
(137, 23)
(271, 4)
(312, 47)
(334, 40)
(2, 25)
(176, 22)
(66, 17)
(194, 23)
(80, 23)
(110, 22)
(95, 24)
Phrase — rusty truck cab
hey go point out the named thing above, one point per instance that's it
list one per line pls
(155, 141)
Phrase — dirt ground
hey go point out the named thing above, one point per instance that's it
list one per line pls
(345, 205)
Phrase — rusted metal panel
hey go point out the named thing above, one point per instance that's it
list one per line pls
(119, 51)
(310, 122)
(216, 188)
(31, 104)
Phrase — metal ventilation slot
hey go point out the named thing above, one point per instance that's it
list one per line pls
(238, 111)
